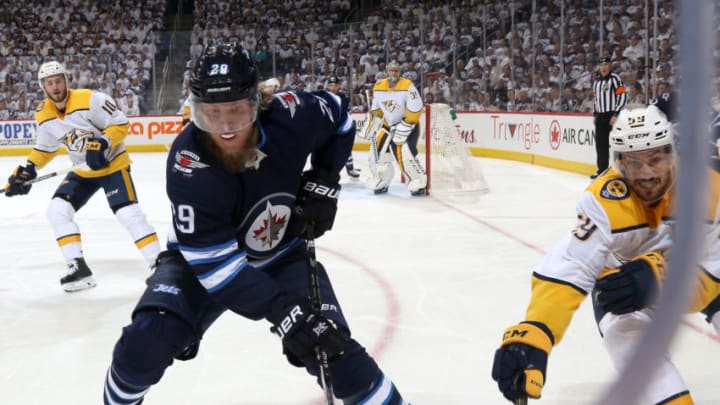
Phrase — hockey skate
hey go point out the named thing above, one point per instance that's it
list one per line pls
(78, 277)
(352, 171)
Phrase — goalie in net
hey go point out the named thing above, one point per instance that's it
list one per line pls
(394, 125)
(391, 127)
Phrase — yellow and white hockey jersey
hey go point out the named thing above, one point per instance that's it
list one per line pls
(396, 103)
(613, 228)
(87, 114)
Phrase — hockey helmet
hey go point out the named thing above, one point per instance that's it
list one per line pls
(640, 129)
(393, 71)
(49, 69)
(393, 65)
(223, 74)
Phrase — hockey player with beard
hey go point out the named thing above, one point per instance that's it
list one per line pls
(92, 129)
(617, 252)
(393, 118)
(242, 211)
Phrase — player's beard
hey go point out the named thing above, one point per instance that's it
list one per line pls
(235, 161)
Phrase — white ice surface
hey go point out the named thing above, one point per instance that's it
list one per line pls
(428, 286)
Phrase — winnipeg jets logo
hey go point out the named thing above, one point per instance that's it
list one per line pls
(289, 100)
(186, 161)
(75, 140)
(269, 227)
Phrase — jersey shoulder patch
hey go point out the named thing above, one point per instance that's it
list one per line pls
(615, 189)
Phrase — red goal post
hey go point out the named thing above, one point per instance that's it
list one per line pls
(449, 163)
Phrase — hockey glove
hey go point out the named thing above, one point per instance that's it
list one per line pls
(401, 131)
(302, 330)
(520, 362)
(95, 153)
(17, 181)
(631, 287)
(315, 205)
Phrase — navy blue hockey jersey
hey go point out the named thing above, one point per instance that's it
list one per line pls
(230, 227)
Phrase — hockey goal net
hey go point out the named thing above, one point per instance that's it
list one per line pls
(451, 167)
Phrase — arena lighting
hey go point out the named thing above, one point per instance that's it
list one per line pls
(696, 38)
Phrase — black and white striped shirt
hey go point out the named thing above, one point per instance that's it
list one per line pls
(609, 94)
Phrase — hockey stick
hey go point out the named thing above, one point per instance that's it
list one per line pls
(50, 175)
(521, 398)
(322, 357)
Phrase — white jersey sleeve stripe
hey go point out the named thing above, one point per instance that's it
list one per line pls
(220, 276)
(195, 256)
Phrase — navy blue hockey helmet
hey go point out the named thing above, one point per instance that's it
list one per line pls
(225, 72)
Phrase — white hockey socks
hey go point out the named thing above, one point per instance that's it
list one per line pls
(61, 216)
(143, 234)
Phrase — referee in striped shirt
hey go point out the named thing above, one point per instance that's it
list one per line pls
(610, 97)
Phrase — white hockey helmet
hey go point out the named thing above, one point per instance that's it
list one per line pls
(640, 129)
(51, 68)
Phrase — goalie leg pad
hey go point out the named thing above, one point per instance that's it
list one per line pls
(381, 164)
(417, 179)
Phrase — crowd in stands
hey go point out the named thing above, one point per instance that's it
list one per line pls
(462, 52)
(458, 52)
(105, 45)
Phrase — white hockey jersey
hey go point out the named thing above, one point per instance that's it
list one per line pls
(613, 228)
(396, 103)
(87, 114)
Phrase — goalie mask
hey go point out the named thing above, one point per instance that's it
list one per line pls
(393, 71)
(57, 93)
(223, 87)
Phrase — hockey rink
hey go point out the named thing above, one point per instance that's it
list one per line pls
(428, 286)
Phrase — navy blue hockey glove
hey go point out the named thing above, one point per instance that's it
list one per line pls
(631, 287)
(95, 153)
(16, 182)
(520, 362)
(712, 308)
(315, 205)
(301, 329)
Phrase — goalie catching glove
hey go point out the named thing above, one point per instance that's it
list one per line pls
(315, 205)
(520, 362)
(17, 182)
(631, 287)
(401, 131)
(302, 329)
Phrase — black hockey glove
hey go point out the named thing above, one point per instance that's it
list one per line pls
(712, 308)
(302, 330)
(631, 287)
(520, 362)
(95, 153)
(16, 182)
(315, 205)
